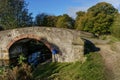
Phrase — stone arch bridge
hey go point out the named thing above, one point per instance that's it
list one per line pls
(68, 41)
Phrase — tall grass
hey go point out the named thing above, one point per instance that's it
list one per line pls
(92, 69)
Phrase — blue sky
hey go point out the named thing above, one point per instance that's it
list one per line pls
(59, 7)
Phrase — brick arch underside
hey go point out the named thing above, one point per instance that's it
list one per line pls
(31, 36)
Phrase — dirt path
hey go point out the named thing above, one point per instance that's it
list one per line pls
(111, 56)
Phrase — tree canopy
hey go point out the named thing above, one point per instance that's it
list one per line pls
(64, 21)
(45, 20)
(98, 19)
(79, 20)
(13, 14)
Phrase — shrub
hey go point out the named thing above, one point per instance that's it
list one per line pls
(115, 30)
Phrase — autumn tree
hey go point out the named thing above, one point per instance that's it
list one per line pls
(98, 18)
(64, 21)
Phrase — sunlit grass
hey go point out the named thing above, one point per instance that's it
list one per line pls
(92, 69)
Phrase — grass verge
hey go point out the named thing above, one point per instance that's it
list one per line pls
(92, 69)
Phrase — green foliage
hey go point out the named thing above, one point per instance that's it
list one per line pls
(98, 19)
(92, 69)
(113, 39)
(79, 20)
(45, 20)
(51, 20)
(116, 26)
(102, 7)
(65, 21)
(21, 59)
(13, 14)
(2, 70)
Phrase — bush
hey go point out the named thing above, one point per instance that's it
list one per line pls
(24, 72)
(115, 30)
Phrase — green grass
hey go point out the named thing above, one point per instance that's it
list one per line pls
(114, 39)
(110, 37)
(92, 69)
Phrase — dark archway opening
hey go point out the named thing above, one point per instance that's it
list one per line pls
(30, 48)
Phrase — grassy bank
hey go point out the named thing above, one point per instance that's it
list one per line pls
(92, 69)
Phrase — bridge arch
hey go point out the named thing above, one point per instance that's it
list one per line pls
(32, 36)
(28, 45)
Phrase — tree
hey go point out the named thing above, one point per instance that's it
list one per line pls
(25, 19)
(79, 20)
(65, 21)
(13, 14)
(103, 14)
(45, 20)
(39, 19)
(98, 19)
(51, 21)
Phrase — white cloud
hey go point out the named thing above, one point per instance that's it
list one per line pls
(72, 11)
